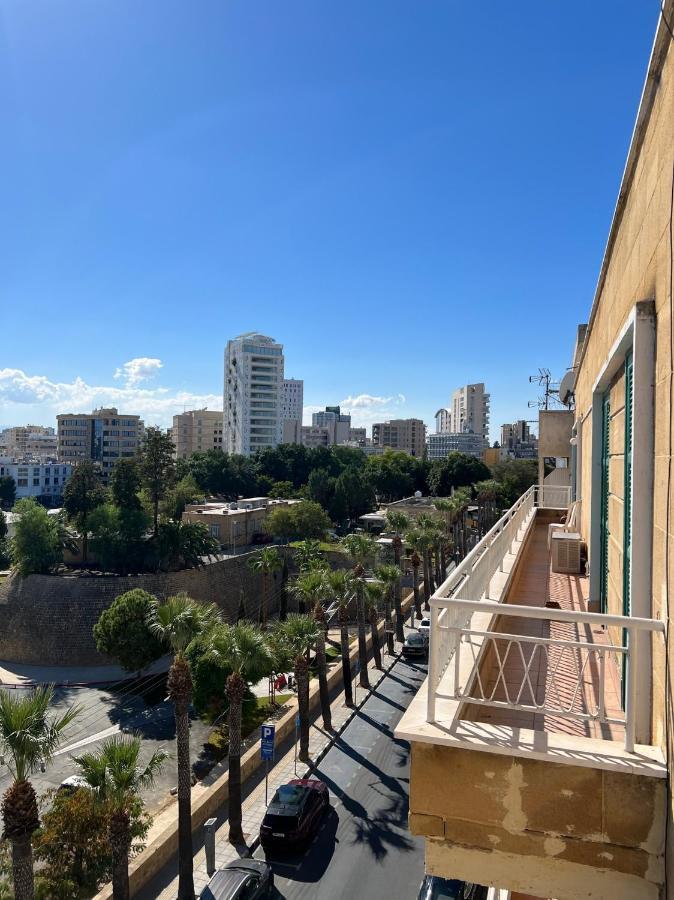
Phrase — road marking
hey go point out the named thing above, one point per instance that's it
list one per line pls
(107, 732)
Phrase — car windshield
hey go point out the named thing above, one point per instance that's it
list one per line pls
(289, 795)
(416, 640)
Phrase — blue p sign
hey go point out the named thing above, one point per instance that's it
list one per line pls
(267, 741)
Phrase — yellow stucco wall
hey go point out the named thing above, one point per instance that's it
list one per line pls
(638, 268)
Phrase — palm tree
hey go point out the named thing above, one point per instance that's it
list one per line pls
(308, 555)
(310, 586)
(176, 623)
(374, 594)
(30, 738)
(412, 539)
(424, 542)
(341, 587)
(242, 650)
(116, 778)
(361, 549)
(388, 575)
(299, 634)
(267, 561)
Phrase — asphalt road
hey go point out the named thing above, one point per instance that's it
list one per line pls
(364, 847)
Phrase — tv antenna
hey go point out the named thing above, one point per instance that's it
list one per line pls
(550, 390)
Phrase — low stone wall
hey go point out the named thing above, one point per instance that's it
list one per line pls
(48, 619)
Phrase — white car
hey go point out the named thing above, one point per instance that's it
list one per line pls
(425, 627)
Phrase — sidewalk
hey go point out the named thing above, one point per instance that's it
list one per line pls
(19, 675)
(254, 806)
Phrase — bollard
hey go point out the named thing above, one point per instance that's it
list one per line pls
(209, 845)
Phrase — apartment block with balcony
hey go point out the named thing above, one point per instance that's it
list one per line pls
(42, 479)
(541, 742)
(469, 410)
(197, 431)
(401, 434)
(253, 394)
(103, 436)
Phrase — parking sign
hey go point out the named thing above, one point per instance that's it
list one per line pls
(267, 741)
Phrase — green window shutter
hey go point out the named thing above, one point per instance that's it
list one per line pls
(604, 531)
(627, 507)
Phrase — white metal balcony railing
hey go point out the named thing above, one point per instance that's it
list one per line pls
(568, 663)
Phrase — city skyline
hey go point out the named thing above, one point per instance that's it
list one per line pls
(385, 194)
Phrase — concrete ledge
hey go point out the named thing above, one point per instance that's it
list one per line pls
(208, 798)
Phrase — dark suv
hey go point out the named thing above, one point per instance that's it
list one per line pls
(294, 815)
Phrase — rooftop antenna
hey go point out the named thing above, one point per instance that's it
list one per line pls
(550, 390)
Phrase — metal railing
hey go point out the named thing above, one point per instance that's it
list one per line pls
(569, 663)
(553, 496)
(472, 578)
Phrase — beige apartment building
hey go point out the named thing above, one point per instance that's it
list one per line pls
(196, 431)
(38, 441)
(541, 742)
(401, 434)
(236, 524)
(103, 436)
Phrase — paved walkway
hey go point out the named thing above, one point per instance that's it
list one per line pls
(254, 805)
(18, 675)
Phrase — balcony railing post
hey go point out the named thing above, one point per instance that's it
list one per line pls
(602, 684)
(433, 664)
(631, 690)
(457, 666)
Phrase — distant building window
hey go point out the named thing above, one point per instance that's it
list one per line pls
(214, 530)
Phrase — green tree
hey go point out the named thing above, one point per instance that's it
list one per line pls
(125, 484)
(321, 487)
(244, 652)
(362, 550)
(394, 474)
(221, 474)
(176, 623)
(299, 634)
(118, 538)
(29, 737)
(122, 631)
(340, 587)
(309, 521)
(389, 576)
(357, 491)
(157, 468)
(339, 506)
(309, 556)
(82, 494)
(184, 544)
(7, 491)
(374, 596)
(456, 470)
(117, 777)
(36, 545)
(266, 561)
(179, 496)
(516, 476)
(282, 490)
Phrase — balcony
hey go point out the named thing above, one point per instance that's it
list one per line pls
(526, 772)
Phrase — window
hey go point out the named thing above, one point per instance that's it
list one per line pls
(22, 482)
(214, 530)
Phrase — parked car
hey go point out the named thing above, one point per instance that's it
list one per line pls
(73, 783)
(243, 879)
(416, 645)
(425, 626)
(294, 815)
(261, 537)
(435, 888)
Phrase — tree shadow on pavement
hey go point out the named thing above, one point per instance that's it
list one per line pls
(309, 866)
(360, 714)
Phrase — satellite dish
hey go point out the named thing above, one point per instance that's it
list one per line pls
(418, 495)
(566, 387)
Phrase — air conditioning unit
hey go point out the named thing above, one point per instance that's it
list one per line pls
(566, 552)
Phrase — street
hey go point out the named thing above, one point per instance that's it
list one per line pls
(363, 847)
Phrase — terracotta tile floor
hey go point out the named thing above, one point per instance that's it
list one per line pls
(554, 678)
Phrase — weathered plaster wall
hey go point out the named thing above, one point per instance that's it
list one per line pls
(592, 829)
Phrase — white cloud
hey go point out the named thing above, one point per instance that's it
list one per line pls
(25, 397)
(139, 369)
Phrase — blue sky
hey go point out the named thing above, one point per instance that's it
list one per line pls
(410, 196)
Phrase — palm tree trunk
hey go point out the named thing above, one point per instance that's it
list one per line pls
(427, 581)
(22, 868)
(346, 662)
(415, 587)
(362, 640)
(120, 844)
(235, 690)
(185, 849)
(302, 676)
(155, 514)
(443, 562)
(283, 600)
(388, 624)
(265, 599)
(374, 635)
(398, 593)
(323, 680)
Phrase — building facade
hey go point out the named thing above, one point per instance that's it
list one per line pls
(36, 478)
(443, 420)
(470, 410)
(253, 418)
(30, 441)
(401, 434)
(518, 441)
(103, 436)
(542, 748)
(438, 446)
(196, 431)
(337, 424)
(292, 399)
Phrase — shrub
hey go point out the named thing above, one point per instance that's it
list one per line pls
(35, 547)
(122, 632)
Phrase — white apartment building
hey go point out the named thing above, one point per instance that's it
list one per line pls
(338, 424)
(252, 394)
(439, 446)
(37, 478)
(196, 431)
(292, 399)
(470, 410)
(443, 421)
